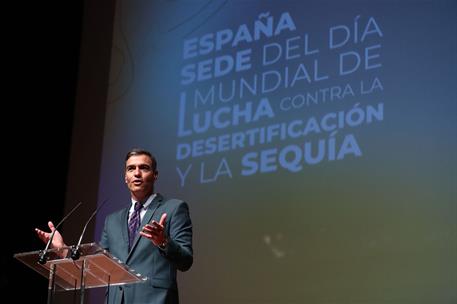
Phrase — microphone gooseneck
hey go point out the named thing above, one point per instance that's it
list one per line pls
(43, 253)
(75, 252)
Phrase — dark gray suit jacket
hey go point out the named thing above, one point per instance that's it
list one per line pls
(160, 266)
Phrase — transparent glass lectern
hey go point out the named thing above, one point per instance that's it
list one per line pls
(96, 267)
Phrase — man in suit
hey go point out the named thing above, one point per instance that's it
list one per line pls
(164, 244)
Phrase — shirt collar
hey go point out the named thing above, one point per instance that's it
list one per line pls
(146, 204)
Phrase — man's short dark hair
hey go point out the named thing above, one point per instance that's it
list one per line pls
(138, 151)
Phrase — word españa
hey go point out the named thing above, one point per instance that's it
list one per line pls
(213, 42)
(227, 63)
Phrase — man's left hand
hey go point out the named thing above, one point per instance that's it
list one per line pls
(155, 231)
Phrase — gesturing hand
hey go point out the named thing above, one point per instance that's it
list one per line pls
(155, 231)
(57, 241)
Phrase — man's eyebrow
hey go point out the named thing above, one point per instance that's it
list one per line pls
(140, 165)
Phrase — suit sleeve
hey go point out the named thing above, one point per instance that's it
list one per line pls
(104, 239)
(179, 249)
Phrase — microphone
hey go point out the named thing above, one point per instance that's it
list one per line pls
(75, 253)
(43, 253)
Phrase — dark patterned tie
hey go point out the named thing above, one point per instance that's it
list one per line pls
(134, 223)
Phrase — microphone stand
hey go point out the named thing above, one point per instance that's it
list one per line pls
(43, 254)
(43, 257)
(75, 252)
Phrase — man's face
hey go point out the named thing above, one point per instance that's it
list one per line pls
(140, 176)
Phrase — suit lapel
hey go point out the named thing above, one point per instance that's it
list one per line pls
(125, 225)
(156, 202)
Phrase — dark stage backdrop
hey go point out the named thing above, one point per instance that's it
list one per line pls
(41, 52)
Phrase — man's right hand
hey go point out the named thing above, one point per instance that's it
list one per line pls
(57, 241)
